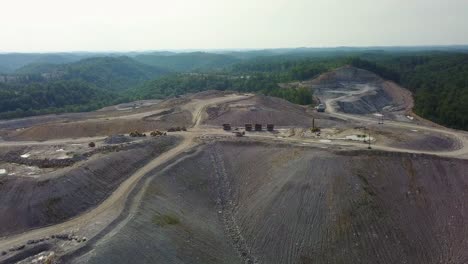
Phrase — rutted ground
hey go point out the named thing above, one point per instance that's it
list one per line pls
(259, 109)
(356, 91)
(35, 202)
(266, 203)
(243, 201)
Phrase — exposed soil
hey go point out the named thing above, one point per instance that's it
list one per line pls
(94, 128)
(263, 110)
(30, 203)
(315, 197)
(264, 203)
(356, 91)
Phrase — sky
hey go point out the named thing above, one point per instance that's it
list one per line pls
(117, 25)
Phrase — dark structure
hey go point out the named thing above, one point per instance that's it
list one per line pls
(270, 127)
(227, 127)
(258, 127)
(248, 127)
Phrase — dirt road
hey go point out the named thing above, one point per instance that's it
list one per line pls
(117, 200)
(460, 136)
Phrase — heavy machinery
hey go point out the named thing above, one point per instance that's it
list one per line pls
(320, 108)
(239, 134)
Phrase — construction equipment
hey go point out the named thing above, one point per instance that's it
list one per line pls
(258, 127)
(239, 134)
(270, 127)
(320, 108)
(157, 133)
(137, 134)
(227, 127)
(176, 129)
(248, 127)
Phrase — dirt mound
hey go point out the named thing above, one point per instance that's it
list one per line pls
(30, 203)
(94, 128)
(261, 109)
(235, 203)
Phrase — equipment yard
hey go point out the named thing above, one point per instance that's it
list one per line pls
(357, 183)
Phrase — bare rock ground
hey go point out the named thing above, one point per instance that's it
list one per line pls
(263, 110)
(237, 202)
(357, 91)
(35, 202)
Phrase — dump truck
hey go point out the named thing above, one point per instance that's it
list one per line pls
(258, 127)
(248, 127)
(270, 127)
(227, 127)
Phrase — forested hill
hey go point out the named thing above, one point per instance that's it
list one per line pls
(110, 73)
(186, 62)
(438, 80)
(18, 100)
(179, 84)
(12, 61)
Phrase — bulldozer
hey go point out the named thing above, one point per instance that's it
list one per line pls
(137, 134)
(239, 134)
(157, 133)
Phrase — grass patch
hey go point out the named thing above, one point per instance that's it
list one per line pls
(52, 211)
(164, 220)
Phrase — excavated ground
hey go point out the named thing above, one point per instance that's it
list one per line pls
(55, 196)
(264, 110)
(235, 202)
(357, 91)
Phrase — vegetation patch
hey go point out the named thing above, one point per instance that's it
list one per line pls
(165, 219)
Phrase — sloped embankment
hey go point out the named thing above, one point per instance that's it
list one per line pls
(235, 203)
(93, 128)
(31, 203)
(263, 110)
(357, 91)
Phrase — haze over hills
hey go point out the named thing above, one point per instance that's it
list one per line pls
(436, 75)
(187, 61)
(234, 132)
(112, 73)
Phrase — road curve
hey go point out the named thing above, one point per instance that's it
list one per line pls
(118, 198)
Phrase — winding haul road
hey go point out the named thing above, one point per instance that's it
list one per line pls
(116, 202)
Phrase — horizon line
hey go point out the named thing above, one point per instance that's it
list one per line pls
(238, 49)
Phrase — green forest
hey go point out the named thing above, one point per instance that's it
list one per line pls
(53, 84)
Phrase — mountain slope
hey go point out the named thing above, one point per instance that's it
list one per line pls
(50, 97)
(113, 73)
(187, 61)
(13, 61)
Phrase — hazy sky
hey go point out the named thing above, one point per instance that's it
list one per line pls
(98, 25)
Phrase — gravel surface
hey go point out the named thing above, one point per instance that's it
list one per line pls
(265, 203)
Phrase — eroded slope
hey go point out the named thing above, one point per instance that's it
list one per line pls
(265, 203)
(35, 202)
